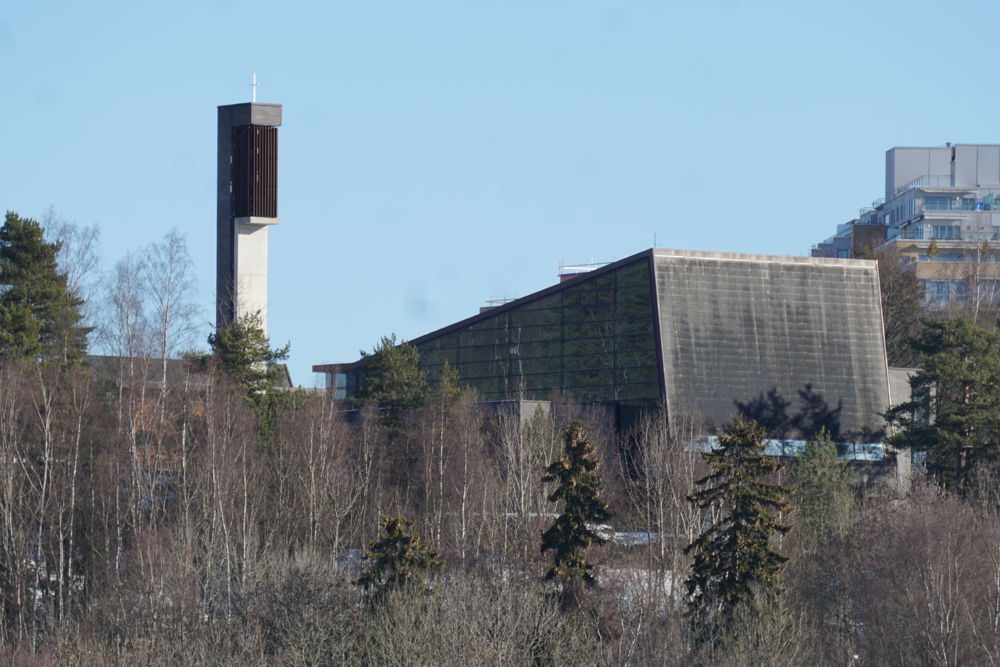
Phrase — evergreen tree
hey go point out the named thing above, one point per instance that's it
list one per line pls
(244, 352)
(391, 376)
(398, 560)
(735, 570)
(579, 491)
(39, 315)
(954, 414)
(242, 349)
(822, 490)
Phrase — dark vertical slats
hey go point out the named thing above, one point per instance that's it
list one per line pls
(255, 169)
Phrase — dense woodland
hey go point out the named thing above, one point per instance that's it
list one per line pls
(165, 508)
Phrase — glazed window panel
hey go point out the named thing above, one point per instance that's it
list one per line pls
(586, 314)
(553, 301)
(638, 295)
(543, 365)
(536, 381)
(574, 314)
(429, 345)
(546, 317)
(598, 282)
(447, 342)
(604, 346)
(635, 327)
(488, 337)
(433, 357)
(639, 391)
(636, 273)
(587, 378)
(629, 375)
(589, 362)
(633, 342)
(487, 324)
(480, 369)
(645, 357)
(573, 330)
(482, 353)
(495, 385)
(592, 393)
(599, 313)
(588, 329)
(531, 334)
(535, 349)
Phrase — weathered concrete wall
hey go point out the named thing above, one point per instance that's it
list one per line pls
(251, 271)
(735, 327)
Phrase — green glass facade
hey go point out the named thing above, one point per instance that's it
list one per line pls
(592, 338)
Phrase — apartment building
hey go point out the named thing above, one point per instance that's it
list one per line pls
(941, 213)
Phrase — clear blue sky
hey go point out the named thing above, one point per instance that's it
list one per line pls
(436, 154)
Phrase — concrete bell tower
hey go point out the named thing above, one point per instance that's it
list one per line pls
(247, 206)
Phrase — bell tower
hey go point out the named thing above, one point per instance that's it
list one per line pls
(247, 205)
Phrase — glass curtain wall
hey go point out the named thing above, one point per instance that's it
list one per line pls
(593, 340)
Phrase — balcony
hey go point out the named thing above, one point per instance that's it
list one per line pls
(924, 182)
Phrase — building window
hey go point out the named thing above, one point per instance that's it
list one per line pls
(939, 290)
(915, 232)
(995, 233)
(947, 232)
(842, 253)
(988, 291)
(942, 257)
(968, 203)
(937, 203)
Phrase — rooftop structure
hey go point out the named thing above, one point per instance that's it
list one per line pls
(702, 332)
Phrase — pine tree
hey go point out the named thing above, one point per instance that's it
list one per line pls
(735, 569)
(579, 491)
(244, 352)
(398, 560)
(391, 376)
(39, 315)
(955, 412)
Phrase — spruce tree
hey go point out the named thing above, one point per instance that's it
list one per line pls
(579, 491)
(39, 315)
(736, 570)
(398, 560)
